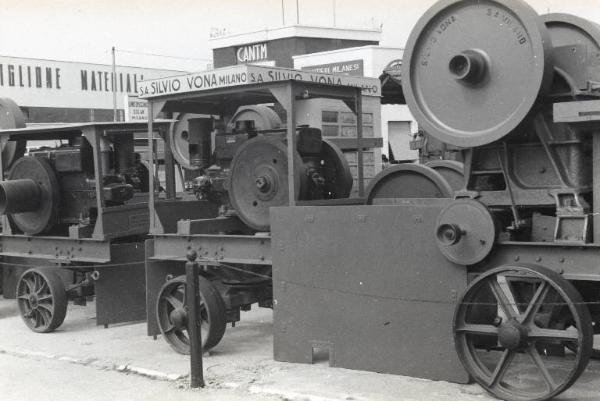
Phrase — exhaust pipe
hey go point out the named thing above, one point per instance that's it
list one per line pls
(19, 196)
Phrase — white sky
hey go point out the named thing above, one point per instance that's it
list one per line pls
(85, 30)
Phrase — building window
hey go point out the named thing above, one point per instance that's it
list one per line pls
(335, 123)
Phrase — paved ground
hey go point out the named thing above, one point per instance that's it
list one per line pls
(84, 361)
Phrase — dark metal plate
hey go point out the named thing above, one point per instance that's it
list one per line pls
(408, 181)
(259, 180)
(344, 280)
(121, 290)
(45, 217)
(472, 70)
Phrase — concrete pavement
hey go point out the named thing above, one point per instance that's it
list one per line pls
(241, 367)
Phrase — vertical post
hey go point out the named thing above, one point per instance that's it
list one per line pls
(170, 184)
(114, 85)
(194, 320)
(152, 166)
(291, 145)
(333, 1)
(282, 13)
(359, 136)
(596, 186)
(297, 13)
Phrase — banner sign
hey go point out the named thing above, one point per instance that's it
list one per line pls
(48, 83)
(353, 68)
(240, 75)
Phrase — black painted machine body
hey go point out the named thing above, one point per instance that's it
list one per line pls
(512, 300)
(74, 204)
(236, 155)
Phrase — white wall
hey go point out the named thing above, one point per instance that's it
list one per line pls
(375, 59)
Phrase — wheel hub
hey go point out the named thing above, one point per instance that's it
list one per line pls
(179, 318)
(511, 335)
(263, 183)
(33, 301)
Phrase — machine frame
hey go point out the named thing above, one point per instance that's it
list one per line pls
(178, 227)
(94, 261)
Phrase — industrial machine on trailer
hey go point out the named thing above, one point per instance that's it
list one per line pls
(498, 281)
(241, 161)
(74, 205)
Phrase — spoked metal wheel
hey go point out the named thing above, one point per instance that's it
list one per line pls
(511, 336)
(172, 314)
(42, 300)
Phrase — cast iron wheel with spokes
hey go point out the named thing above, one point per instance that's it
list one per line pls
(520, 351)
(42, 300)
(172, 314)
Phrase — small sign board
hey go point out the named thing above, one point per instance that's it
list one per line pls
(136, 109)
(353, 68)
(241, 75)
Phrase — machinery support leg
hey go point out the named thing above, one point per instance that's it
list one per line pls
(194, 320)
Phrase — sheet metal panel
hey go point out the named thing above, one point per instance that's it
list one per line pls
(368, 284)
(121, 288)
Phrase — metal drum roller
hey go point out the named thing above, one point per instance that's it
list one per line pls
(451, 170)
(264, 119)
(574, 35)
(474, 69)
(263, 116)
(30, 195)
(407, 181)
(11, 116)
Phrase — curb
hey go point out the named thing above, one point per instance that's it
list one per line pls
(92, 362)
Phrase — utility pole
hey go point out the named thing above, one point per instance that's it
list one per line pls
(333, 1)
(297, 13)
(282, 13)
(114, 85)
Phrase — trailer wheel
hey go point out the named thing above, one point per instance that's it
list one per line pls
(42, 300)
(526, 360)
(171, 314)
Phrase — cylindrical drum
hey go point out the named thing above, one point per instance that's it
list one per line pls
(19, 196)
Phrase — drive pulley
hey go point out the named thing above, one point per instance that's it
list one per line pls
(259, 177)
(472, 70)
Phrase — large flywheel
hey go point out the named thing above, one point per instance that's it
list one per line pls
(522, 332)
(11, 116)
(462, 56)
(259, 180)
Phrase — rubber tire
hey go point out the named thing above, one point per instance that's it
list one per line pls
(59, 297)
